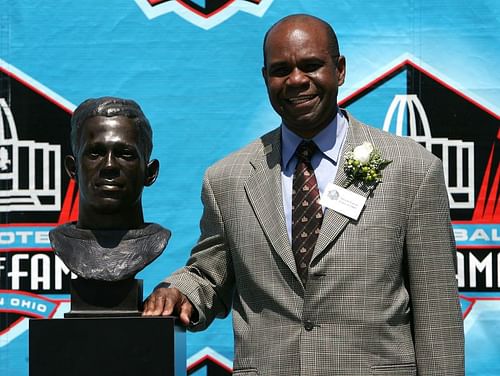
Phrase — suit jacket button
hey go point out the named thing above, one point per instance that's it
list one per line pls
(308, 326)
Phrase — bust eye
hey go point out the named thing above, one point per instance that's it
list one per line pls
(92, 153)
(127, 154)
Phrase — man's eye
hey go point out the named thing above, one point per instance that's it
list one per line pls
(312, 67)
(279, 71)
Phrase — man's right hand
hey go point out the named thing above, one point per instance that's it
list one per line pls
(167, 301)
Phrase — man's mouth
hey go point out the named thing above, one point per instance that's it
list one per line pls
(300, 99)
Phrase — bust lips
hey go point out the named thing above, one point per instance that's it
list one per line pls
(109, 188)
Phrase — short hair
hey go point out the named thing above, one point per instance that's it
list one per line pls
(109, 107)
(333, 44)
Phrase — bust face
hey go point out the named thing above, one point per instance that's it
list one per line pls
(111, 169)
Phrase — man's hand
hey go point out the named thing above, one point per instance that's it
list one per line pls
(166, 301)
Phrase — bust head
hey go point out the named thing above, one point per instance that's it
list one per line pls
(111, 141)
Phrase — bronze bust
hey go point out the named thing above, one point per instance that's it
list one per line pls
(111, 140)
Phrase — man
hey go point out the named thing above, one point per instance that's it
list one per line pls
(112, 143)
(363, 285)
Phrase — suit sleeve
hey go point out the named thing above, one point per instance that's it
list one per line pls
(431, 265)
(208, 279)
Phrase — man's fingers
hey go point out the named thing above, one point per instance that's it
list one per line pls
(168, 301)
(161, 306)
(149, 305)
(159, 303)
(185, 311)
(167, 307)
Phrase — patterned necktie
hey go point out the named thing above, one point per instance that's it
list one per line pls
(307, 214)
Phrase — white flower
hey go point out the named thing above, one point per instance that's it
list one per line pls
(364, 163)
(362, 152)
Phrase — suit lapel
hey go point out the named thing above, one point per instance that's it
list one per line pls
(264, 192)
(333, 222)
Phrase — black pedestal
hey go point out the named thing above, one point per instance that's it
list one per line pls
(120, 346)
(92, 298)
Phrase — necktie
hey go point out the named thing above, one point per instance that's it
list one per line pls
(307, 214)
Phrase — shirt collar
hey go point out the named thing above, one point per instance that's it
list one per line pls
(326, 140)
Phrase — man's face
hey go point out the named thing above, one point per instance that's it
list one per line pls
(110, 166)
(302, 77)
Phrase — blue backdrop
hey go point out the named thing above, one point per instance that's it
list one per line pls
(197, 77)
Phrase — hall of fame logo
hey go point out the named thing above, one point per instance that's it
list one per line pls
(21, 190)
(34, 197)
(203, 13)
(414, 100)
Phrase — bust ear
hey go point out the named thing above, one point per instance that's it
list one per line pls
(70, 166)
(152, 170)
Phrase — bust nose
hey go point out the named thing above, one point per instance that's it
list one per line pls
(109, 167)
(109, 159)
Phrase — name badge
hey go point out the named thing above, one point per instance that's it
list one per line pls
(342, 201)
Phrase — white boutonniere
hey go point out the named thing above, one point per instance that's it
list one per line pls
(364, 163)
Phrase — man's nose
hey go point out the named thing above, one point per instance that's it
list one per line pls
(297, 78)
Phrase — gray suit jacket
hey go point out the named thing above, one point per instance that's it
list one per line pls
(381, 297)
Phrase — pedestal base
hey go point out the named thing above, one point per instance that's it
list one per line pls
(91, 298)
(123, 346)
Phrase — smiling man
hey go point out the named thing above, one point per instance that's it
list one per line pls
(330, 240)
(302, 71)
(112, 143)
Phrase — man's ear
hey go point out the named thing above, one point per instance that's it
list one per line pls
(341, 70)
(70, 166)
(264, 74)
(152, 170)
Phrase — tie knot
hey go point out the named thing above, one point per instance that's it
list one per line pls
(306, 150)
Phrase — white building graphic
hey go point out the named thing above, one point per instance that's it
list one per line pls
(457, 155)
(30, 172)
